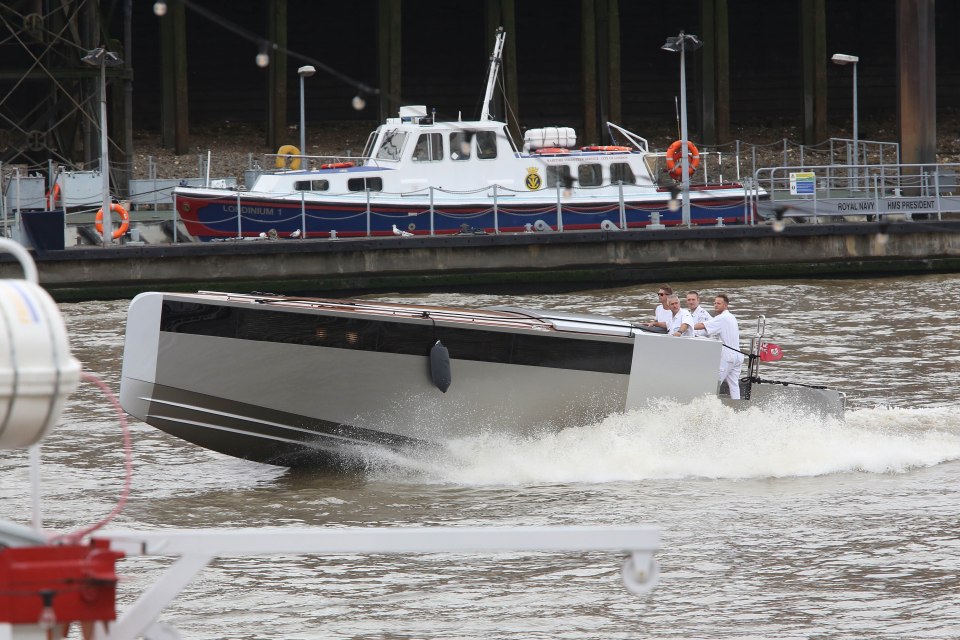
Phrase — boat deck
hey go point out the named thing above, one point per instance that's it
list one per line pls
(501, 317)
(488, 317)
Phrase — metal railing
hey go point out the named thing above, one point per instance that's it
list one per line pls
(859, 189)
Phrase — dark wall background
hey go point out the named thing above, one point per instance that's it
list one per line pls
(446, 49)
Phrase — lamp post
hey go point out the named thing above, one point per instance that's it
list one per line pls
(845, 59)
(304, 72)
(102, 58)
(681, 44)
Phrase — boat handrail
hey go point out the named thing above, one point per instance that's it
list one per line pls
(638, 141)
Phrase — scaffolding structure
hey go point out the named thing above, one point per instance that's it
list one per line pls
(50, 99)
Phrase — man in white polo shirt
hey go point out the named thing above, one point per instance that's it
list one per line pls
(725, 325)
(698, 313)
(662, 314)
(681, 324)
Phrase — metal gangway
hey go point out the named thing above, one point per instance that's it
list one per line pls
(832, 192)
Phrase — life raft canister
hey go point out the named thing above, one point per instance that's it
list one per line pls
(124, 220)
(287, 158)
(675, 156)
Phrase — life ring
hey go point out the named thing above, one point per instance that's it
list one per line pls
(52, 196)
(551, 150)
(124, 220)
(675, 157)
(286, 158)
(336, 165)
(595, 147)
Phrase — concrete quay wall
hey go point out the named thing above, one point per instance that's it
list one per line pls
(594, 257)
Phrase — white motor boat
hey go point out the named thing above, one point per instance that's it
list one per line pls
(420, 175)
(309, 382)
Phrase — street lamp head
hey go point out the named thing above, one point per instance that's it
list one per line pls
(100, 56)
(683, 42)
(843, 58)
(306, 71)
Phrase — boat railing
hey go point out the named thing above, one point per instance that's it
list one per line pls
(602, 212)
(637, 141)
(746, 158)
(837, 191)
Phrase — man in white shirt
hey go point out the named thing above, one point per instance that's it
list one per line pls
(725, 325)
(698, 313)
(662, 314)
(682, 323)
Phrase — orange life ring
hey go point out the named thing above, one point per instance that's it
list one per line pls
(595, 147)
(675, 157)
(336, 165)
(551, 150)
(53, 195)
(124, 220)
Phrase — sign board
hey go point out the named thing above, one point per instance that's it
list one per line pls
(803, 183)
(869, 206)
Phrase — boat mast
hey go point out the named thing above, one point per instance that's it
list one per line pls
(495, 60)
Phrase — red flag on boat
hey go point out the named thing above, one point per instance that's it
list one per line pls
(770, 352)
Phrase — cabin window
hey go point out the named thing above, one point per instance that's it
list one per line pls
(429, 148)
(460, 145)
(391, 146)
(621, 172)
(311, 185)
(559, 174)
(590, 175)
(486, 145)
(362, 184)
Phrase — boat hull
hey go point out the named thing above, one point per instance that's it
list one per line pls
(208, 216)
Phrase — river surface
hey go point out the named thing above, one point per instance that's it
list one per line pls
(774, 525)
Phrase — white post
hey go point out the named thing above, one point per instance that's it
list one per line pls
(684, 162)
(104, 156)
(303, 215)
(496, 221)
(175, 218)
(856, 155)
(623, 209)
(303, 121)
(239, 221)
(559, 207)
(431, 210)
(304, 72)
(36, 517)
(368, 211)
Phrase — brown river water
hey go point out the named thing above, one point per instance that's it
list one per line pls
(774, 525)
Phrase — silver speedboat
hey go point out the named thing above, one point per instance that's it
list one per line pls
(308, 382)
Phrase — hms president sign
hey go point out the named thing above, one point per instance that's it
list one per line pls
(882, 205)
(855, 206)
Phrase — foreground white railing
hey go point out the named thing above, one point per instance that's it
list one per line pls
(197, 548)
